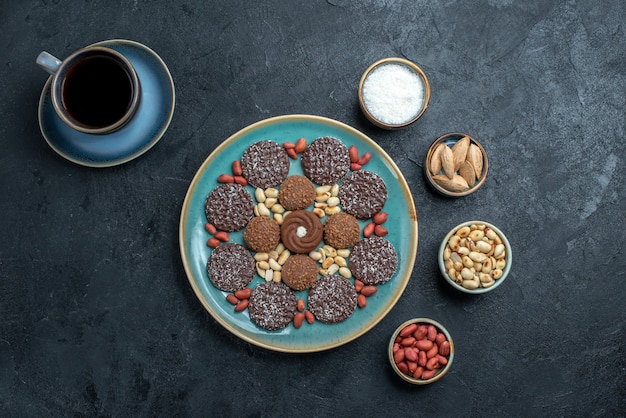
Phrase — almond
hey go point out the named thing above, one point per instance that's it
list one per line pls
(459, 150)
(467, 172)
(454, 184)
(447, 161)
(435, 159)
(475, 157)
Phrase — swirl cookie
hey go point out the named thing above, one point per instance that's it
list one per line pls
(265, 164)
(231, 267)
(363, 194)
(332, 299)
(301, 231)
(373, 260)
(229, 207)
(326, 160)
(272, 305)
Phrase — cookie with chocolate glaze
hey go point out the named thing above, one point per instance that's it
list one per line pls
(332, 298)
(363, 194)
(231, 267)
(373, 260)
(326, 160)
(265, 164)
(272, 305)
(229, 207)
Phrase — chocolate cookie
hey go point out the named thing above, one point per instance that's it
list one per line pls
(231, 267)
(341, 230)
(265, 164)
(299, 272)
(296, 192)
(373, 260)
(325, 160)
(262, 234)
(363, 194)
(301, 231)
(229, 207)
(332, 299)
(272, 305)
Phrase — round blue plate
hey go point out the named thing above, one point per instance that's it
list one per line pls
(402, 226)
(152, 119)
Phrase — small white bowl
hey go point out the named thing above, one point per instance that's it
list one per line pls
(441, 258)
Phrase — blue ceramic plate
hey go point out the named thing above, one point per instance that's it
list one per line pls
(148, 125)
(402, 225)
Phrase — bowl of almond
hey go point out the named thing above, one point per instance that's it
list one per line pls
(456, 165)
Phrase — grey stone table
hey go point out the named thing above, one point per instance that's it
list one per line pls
(97, 317)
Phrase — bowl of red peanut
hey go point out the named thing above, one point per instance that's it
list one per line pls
(421, 351)
(475, 257)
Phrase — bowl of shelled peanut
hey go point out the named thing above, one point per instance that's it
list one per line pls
(475, 257)
(456, 165)
(421, 351)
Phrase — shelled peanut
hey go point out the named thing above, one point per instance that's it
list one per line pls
(332, 260)
(456, 168)
(326, 200)
(420, 350)
(269, 265)
(475, 257)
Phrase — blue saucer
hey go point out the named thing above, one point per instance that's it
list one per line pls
(142, 132)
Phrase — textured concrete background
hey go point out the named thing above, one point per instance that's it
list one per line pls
(97, 316)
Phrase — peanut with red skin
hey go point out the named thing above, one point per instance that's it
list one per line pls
(365, 159)
(428, 374)
(355, 166)
(403, 367)
(398, 356)
(380, 230)
(240, 180)
(225, 178)
(358, 285)
(213, 242)
(354, 154)
(421, 358)
(432, 352)
(222, 236)
(433, 363)
(408, 330)
(407, 342)
(236, 168)
(289, 145)
(244, 293)
(410, 354)
(412, 366)
(432, 332)
(369, 230)
(300, 305)
(300, 145)
(210, 228)
(232, 299)
(310, 318)
(368, 291)
(298, 319)
(380, 218)
(421, 332)
(424, 345)
(361, 301)
(444, 348)
(242, 305)
(291, 152)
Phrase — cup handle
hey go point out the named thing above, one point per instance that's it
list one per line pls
(48, 62)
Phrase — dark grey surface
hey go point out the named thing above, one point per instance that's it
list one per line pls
(97, 316)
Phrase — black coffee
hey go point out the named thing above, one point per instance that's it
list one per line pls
(97, 91)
